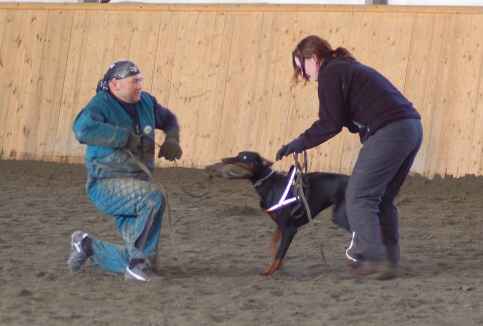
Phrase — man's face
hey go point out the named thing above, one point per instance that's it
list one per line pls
(128, 89)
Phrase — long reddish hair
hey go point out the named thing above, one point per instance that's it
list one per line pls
(321, 48)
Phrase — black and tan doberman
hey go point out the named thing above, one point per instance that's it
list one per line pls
(278, 199)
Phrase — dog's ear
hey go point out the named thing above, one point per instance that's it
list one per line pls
(266, 162)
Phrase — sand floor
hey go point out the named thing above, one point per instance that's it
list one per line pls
(222, 240)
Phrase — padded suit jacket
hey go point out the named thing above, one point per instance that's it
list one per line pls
(357, 97)
(104, 126)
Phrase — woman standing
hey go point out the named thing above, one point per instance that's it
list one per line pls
(359, 98)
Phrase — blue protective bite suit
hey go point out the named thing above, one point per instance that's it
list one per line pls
(116, 182)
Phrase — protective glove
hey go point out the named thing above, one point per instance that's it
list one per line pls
(133, 141)
(140, 142)
(170, 149)
(147, 144)
(295, 146)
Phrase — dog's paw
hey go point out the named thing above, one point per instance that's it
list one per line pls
(277, 263)
(267, 272)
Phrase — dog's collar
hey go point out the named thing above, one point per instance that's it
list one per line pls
(259, 182)
(283, 201)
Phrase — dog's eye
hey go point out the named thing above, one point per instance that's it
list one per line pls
(244, 157)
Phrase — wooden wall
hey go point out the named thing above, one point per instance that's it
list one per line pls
(225, 70)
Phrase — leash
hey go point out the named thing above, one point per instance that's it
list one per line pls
(167, 209)
(178, 179)
(300, 184)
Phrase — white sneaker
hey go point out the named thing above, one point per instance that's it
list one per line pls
(77, 255)
(141, 272)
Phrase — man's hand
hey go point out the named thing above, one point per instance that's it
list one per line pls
(147, 144)
(141, 142)
(170, 150)
(133, 142)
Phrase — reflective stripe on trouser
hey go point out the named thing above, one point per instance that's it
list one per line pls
(382, 166)
(138, 208)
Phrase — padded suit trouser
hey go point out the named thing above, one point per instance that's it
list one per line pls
(137, 206)
(382, 166)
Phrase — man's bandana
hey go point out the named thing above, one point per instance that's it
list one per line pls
(118, 70)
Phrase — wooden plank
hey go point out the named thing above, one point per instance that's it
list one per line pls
(256, 109)
(164, 57)
(7, 55)
(446, 80)
(241, 72)
(425, 39)
(459, 100)
(254, 71)
(29, 122)
(194, 90)
(51, 80)
(208, 39)
(278, 95)
(28, 40)
(393, 47)
(144, 44)
(218, 75)
(103, 46)
(14, 36)
(179, 90)
(67, 148)
(441, 81)
(268, 48)
(468, 47)
(476, 153)
(110, 44)
(163, 70)
(429, 87)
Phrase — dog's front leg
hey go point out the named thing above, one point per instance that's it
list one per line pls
(287, 237)
(274, 243)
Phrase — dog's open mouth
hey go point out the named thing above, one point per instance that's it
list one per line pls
(228, 171)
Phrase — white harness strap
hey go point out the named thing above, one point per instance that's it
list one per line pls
(283, 201)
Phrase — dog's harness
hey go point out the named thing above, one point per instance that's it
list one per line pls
(283, 200)
(300, 198)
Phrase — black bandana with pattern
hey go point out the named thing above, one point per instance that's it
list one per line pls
(118, 70)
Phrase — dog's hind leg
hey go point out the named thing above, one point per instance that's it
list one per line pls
(339, 216)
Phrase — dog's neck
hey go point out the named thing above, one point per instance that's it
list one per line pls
(258, 182)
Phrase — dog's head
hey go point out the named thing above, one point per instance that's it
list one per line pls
(243, 166)
(250, 161)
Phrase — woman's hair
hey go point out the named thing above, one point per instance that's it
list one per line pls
(321, 48)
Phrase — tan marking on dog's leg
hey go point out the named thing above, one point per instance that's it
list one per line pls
(275, 265)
